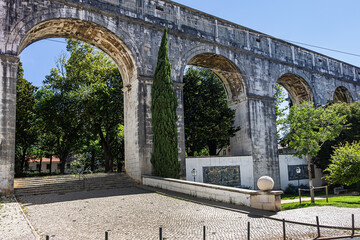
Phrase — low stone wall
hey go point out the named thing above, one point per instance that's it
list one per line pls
(270, 201)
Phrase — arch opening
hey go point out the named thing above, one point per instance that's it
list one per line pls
(290, 89)
(108, 42)
(298, 89)
(225, 70)
(230, 93)
(90, 33)
(342, 95)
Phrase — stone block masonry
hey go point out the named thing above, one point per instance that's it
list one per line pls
(247, 62)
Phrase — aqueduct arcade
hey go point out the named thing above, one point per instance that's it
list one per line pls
(248, 63)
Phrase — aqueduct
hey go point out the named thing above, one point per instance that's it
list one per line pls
(248, 62)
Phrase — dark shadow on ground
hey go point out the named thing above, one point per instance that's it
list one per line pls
(138, 189)
(81, 195)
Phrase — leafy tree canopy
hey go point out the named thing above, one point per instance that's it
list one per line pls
(84, 95)
(349, 134)
(26, 130)
(311, 127)
(345, 164)
(208, 120)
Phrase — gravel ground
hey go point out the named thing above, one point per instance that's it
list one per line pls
(134, 213)
(13, 224)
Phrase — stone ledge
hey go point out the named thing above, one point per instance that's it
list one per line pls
(269, 200)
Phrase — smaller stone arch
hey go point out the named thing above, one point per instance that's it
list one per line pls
(298, 89)
(342, 94)
(226, 70)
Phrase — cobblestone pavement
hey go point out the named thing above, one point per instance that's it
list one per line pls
(13, 224)
(135, 213)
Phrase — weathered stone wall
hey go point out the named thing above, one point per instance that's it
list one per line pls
(8, 71)
(249, 64)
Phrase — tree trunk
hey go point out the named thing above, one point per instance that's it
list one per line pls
(93, 160)
(107, 152)
(212, 147)
(40, 165)
(50, 164)
(108, 158)
(22, 163)
(63, 158)
(62, 165)
(310, 179)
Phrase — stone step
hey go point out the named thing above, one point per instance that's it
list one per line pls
(71, 183)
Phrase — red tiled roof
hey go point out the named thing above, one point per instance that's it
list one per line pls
(45, 160)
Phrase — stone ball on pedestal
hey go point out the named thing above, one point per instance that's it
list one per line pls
(265, 183)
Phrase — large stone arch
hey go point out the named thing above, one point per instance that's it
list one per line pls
(66, 22)
(105, 34)
(342, 94)
(90, 33)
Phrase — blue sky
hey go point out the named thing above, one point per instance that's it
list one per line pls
(331, 24)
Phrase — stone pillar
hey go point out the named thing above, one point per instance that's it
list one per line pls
(263, 139)
(8, 72)
(240, 144)
(181, 128)
(137, 129)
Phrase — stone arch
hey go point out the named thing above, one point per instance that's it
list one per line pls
(226, 70)
(105, 33)
(298, 89)
(234, 84)
(342, 94)
(88, 32)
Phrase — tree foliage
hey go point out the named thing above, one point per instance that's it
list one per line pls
(349, 134)
(208, 120)
(81, 102)
(163, 108)
(60, 123)
(345, 165)
(309, 128)
(26, 130)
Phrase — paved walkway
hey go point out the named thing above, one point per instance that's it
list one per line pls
(13, 225)
(137, 213)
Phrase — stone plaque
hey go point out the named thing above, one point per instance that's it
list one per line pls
(222, 175)
(304, 172)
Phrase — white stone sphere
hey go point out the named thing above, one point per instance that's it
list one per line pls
(265, 183)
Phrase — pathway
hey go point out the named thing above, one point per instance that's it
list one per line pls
(137, 213)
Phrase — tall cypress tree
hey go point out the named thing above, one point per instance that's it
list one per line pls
(163, 108)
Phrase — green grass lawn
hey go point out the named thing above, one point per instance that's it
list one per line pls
(294, 196)
(344, 201)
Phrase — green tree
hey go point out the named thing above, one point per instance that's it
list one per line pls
(26, 131)
(309, 128)
(95, 84)
(163, 108)
(58, 113)
(208, 120)
(349, 134)
(345, 165)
